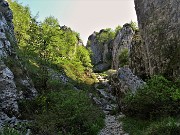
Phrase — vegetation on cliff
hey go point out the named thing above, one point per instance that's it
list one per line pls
(62, 107)
(159, 97)
(154, 109)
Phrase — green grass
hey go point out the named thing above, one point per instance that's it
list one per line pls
(9, 131)
(161, 126)
(134, 126)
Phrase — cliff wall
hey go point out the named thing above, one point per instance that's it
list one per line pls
(159, 24)
(14, 82)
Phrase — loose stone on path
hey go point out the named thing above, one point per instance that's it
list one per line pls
(113, 126)
(106, 103)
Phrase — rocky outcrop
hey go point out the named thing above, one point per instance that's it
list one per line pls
(14, 82)
(124, 81)
(159, 24)
(56, 76)
(105, 55)
(101, 52)
(122, 41)
(136, 56)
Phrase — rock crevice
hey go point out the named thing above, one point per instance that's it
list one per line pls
(105, 55)
(14, 82)
(159, 24)
(122, 41)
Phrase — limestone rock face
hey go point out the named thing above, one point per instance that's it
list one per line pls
(101, 52)
(124, 81)
(60, 77)
(14, 82)
(8, 91)
(127, 79)
(137, 55)
(159, 24)
(106, 55)
(122, 41)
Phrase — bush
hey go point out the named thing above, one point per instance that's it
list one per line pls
(134, 126)
(159, 97)
(161, 126)
(55, 85)
(124, 58)
(65, 112)
(134, 26)
(167, 126)
(9, 131)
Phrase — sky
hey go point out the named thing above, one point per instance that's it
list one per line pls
(85, 16)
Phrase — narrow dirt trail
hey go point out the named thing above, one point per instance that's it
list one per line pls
(113, 126)
(107, 103)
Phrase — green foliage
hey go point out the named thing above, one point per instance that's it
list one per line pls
(76, 71)
(166, 126)
(66, 112)
(59, 109)
(101, 86)
(9, 131)
(83, 55)
(21, 20)
(117, 29)
(56, 84)
(134, 126)
(162, 126)
(124, 57)
(134, 25)
(159, 97)
(49, 45)
(105, 36)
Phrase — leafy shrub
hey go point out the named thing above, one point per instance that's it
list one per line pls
(105, 35)
(167, 126)
(101, 86)
(134, 126)
(83, 55)
(134, 25)
(117, 29)
(55, 85)
(66, 112)
(159, 97)
(123, 58)
(9, 131)
(161, 126)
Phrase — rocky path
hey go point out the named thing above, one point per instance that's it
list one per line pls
(107, 103)
(113, 126)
